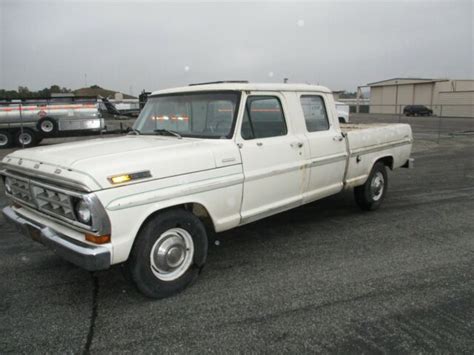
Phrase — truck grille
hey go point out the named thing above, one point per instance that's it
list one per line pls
(21, 190)
(54, 202)
(43, 198)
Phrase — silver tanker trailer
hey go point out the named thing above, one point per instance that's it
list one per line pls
(25, 123)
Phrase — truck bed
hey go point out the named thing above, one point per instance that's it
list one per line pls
(368, 142)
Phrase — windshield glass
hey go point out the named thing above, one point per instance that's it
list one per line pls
(203, 115)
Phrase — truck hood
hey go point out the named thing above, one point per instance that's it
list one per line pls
(92, 162)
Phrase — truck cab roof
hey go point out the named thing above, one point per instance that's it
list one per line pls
(243, 86)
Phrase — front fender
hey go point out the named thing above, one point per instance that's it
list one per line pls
(218, 190)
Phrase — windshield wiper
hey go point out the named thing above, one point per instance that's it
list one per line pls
(168, 132)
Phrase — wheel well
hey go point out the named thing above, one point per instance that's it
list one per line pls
(195, 208)
(388, 161)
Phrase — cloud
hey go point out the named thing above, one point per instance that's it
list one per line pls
(149, 44)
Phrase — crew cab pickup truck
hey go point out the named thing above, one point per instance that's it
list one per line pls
(201, 159)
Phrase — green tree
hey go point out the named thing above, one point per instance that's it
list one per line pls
(55, 89)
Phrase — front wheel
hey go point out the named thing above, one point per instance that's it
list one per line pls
(168, 253)
(369, 196)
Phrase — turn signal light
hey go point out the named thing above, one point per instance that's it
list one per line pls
(121, 178)
(98, 239)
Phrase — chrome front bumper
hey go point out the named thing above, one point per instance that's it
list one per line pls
(86, 256)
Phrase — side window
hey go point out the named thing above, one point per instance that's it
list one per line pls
(263, 118)
(315, 114)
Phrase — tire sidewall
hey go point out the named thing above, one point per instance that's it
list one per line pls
(9, 139)
(139, 262)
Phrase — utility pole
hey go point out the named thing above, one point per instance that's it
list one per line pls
(358, 95)
(85, 79)
(396, 96)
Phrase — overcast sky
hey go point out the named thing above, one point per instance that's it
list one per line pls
(135, 45)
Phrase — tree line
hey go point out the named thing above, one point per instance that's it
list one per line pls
(24, 93)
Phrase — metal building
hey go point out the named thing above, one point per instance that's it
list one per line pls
(445, 97)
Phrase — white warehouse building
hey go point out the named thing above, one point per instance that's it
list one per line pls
(445, 97)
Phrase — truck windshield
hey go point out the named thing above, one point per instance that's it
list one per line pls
(202, 115)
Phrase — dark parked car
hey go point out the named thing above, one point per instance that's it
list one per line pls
(417, 110)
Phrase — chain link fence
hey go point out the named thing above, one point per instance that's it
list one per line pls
(432, 122)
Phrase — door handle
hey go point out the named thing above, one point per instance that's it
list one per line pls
(297, 145)
(259, 144)
(338, 138)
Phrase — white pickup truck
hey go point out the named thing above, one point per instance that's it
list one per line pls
(201, 159)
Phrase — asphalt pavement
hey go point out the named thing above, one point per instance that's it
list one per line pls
(325, 277)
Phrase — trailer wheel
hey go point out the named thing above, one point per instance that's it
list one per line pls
(28, 138)
(168, 253)
(6, 139)
(47, 126)
(369, 196)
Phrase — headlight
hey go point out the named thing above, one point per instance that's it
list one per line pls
(8, 185)
(83, 212)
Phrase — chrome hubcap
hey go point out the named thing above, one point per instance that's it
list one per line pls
(377, 186)
(25, 138)
(172, 254)
(46, 126)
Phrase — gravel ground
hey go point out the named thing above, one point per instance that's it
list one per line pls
(325, 277)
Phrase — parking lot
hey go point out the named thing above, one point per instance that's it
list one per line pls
(325, 277)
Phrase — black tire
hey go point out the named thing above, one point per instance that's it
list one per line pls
(142, 271)
(6, 139)
(47, 126)
(370, 196)
(26, 138)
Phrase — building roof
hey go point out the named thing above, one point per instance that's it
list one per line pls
(403, 81)
(98, 91)
(243, 86)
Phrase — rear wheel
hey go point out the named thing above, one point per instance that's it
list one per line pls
(26, 138)
(168, 253)
(6, 140)
(369, 196)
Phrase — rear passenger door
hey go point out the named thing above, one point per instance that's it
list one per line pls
(327, 146)
(272, 157)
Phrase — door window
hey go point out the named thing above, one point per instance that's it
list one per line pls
(263, 118)
(315, 114)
